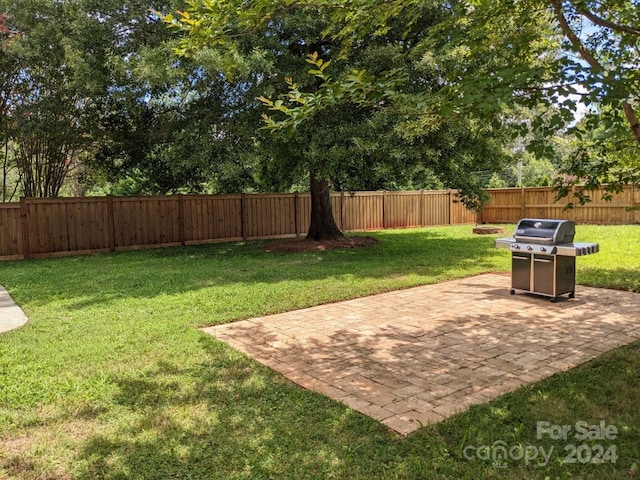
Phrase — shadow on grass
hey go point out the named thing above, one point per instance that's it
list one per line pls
(99, 280)
(232, 418)
(237, 420)
(212, 413)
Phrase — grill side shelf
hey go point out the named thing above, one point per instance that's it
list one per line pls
(577, 249)
(504, 242)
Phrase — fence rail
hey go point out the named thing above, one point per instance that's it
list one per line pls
(37, 227)
(508, 205)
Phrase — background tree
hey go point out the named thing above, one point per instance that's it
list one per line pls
(8, 80)
(97, 96)
(525, 171)
(588, 60)
(181, 138)
(49, 102)
(595, 157)
(594, 69)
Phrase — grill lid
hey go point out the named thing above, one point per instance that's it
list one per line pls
(545, 231)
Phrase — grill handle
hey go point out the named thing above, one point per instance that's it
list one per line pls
(534, 239)
(543, 260)
(520, 257)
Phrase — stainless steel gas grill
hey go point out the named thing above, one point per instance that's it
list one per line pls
(543, 257)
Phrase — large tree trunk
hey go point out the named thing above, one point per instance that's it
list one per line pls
(632, 118)
(322, 225)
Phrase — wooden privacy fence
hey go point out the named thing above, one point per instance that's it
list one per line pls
(67, 226)
(508, 205)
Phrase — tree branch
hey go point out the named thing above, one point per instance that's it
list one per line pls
(633, 120)
(603, 22)
(594, 64)
(573, 38)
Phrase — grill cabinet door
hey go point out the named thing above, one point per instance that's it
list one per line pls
(521, 271)
(565, 275)
(544, 274)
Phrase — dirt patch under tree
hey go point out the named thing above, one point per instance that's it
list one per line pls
(292, 245)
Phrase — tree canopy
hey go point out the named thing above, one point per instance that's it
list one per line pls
(595, 73)
(577, 55)
(364, 94)
(362, 111)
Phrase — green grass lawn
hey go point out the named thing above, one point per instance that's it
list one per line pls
(111, 378)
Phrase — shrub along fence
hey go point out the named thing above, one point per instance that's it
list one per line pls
(38, 227)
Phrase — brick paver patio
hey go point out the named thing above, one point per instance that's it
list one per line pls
(415, 356)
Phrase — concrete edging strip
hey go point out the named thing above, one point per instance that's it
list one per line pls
(11, 315)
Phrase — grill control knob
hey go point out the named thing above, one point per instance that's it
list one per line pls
(516, 247)
(542, 249)
(529, 247)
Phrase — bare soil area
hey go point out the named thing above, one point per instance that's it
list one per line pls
(292, 245)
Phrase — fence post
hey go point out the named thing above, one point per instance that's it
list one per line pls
(421, 208)
(635, 204)
(384, 207)
(523, 207)
(24, 225)
(295, 214)
(243, 216)
(450, 207)
(342, 210)
(111, 225)
(181, 219)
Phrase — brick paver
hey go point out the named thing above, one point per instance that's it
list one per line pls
(416, 356)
